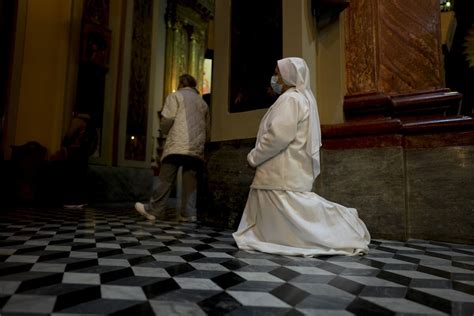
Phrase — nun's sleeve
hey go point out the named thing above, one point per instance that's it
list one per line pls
(281, 131)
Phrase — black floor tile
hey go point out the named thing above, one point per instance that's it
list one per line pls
(178, 269)
(219, 304)
(290, 294)
(227, 280)
(284, 273)
(110, 307)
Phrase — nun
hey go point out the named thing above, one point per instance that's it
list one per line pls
(282, 214)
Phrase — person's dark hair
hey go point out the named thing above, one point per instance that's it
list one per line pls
(187, 80)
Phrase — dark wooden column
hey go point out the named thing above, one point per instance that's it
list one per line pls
(395, 78)
(394, 66)
(7, 32)
(393, 46)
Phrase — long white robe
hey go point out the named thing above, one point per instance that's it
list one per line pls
(282, 215)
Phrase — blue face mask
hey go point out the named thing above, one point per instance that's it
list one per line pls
(277, 87)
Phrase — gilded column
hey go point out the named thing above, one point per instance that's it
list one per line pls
(170, 38)
(196, 55)
(193, 58)
(201, 55)
(168, 60)
(361, 47)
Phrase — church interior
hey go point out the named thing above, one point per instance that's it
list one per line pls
(394, 84)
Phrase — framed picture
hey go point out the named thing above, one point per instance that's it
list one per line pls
(95, 44)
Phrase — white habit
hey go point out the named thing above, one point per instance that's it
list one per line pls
(282, 215)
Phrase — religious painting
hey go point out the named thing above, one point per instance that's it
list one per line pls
(96, 44)
(187, 24)
(207, 77)
(256, 45)
(94, 63)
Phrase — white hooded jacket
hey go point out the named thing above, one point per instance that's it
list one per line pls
(188, 114)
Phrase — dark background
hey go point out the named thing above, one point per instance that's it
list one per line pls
(256, 45)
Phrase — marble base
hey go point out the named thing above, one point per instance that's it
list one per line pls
(405, 193)
(400, 193)
(370, 180)
(119, 184)
(440, 193)
(228, 182)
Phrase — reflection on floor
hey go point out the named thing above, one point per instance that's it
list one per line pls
(112, 262)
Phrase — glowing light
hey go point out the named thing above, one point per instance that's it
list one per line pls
(174, 91)
(132, 138)
(448, 4)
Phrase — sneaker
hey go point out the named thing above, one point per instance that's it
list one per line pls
(188, 219)
(140, 208)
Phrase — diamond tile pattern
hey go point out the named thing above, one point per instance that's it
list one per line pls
(112, 262)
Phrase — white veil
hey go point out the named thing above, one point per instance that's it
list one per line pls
(295, 72)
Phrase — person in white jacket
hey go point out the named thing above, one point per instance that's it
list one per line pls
(282, 215)
(185, 119)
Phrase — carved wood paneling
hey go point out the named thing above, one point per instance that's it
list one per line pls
(361, 46)
(410, 48)
(393, 46)
(97, 11)
(137, 117)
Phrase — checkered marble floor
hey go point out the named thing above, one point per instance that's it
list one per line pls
(112, 262)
